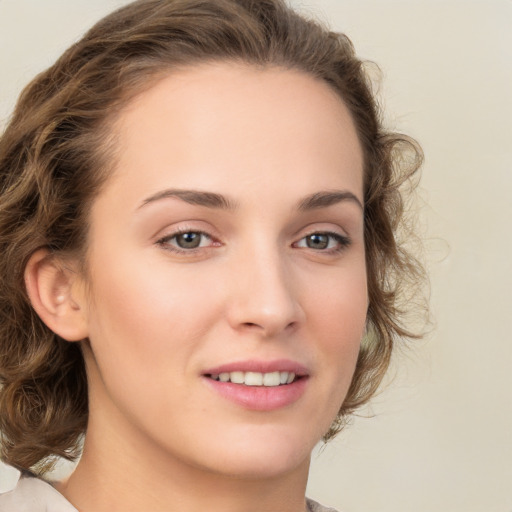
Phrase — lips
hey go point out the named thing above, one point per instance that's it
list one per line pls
(258, 385)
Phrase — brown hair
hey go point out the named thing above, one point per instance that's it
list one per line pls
(55, 155)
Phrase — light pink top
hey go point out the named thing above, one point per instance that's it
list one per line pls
(34, 495)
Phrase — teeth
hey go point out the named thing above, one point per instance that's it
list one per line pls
(253, 379)
(237, 377)
(271, 379)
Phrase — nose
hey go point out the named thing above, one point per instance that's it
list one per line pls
(263, 295)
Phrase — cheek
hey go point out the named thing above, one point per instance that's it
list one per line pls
(339, 312)
(336, 322)
(144, 332)
(150, 314)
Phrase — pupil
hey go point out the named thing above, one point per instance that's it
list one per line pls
(317, 241)
(188, 240)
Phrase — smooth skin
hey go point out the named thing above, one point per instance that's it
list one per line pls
(268, 265)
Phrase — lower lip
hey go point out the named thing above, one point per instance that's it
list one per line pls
(260, 398)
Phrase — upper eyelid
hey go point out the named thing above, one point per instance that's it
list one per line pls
(326, 232)
(171, 232)
(341, 238)
(311, 230)
(179, 232)
(185, 227)
(206, 229)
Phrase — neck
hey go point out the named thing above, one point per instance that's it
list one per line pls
(116, 475)
(130, 484)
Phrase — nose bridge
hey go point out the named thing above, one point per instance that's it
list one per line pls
(263, 295)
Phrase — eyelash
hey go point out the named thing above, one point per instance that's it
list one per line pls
(165, 241)
(342, 242)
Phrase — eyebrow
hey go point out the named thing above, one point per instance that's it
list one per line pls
(314, 201)
(327, 198)
(195, 197)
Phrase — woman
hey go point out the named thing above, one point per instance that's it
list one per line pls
(200, 272)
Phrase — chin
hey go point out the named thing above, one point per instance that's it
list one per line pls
(263, 468)
(266, 454)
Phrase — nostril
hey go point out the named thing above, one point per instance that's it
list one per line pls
(266, 327)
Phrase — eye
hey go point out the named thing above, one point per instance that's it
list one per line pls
(329, 242)
(186, 241)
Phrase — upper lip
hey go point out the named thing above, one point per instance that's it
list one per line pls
(278, 365)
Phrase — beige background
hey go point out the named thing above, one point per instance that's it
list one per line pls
(441, 438)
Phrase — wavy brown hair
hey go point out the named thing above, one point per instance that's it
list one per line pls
(57, 151)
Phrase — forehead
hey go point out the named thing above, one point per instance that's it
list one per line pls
(225, 123)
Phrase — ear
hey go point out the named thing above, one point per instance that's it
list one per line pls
(56, 294)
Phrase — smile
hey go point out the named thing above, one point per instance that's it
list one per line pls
(270, 379)
(259, 385)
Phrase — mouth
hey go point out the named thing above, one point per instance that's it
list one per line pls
(269, 379)
(259, 385)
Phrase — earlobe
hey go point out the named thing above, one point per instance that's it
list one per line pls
(52, 290)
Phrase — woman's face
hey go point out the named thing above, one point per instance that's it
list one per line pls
(226, 255)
